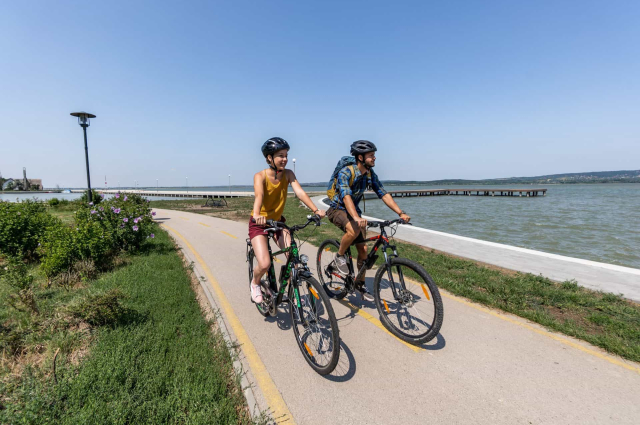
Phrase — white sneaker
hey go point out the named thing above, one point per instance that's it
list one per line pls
(256, 294)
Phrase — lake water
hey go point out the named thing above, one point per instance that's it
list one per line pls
(599, 222)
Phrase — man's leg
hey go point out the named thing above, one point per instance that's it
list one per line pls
(362, 257)
(352, 230)
(352, 233)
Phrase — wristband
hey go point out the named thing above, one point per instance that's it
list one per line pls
(403, 212)
(316, 211)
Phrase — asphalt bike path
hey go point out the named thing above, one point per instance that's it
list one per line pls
(485, 366)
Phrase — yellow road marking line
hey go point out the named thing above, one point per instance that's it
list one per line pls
(376, 322)
(185, 219)
(272, 395)
(205, 225)
(228, 234)
(546, 333)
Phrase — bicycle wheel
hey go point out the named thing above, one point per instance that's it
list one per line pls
(414, 311)
(332, 283)
(314, 325)
(263, 307)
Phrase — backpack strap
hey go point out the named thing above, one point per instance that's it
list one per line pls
(334, 188)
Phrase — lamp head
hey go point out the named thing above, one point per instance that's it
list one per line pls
(83, 118)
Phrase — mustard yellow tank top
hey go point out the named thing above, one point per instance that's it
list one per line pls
(275, 196)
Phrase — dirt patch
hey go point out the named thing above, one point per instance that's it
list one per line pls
(563, 315)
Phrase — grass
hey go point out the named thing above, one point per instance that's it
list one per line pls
(602, 319)
(145, 355)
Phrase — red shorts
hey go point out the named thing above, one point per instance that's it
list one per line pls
(257, 230)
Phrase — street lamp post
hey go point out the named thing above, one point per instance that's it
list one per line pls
(157, 187)
(229, 184)
(187, 179)
(84, 121)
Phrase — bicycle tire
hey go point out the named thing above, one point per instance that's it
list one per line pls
(326, 283)
(383, 308)
(334, 342)
(259, 306)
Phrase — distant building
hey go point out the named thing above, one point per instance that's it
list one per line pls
(18, 184)
(8, 184)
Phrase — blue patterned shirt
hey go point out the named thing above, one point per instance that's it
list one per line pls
(360, 183)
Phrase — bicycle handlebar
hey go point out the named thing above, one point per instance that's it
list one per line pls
(386, 223)
(274, 226)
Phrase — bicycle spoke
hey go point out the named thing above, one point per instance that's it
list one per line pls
(313, 329)
(332, 280)
(411, 309)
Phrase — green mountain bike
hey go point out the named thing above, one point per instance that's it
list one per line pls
(312, 318)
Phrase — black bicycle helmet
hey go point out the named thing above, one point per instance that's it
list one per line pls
(273, 145)
(360, 147)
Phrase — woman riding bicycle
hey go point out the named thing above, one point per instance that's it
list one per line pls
(270, 188)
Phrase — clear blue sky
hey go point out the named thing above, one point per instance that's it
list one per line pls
(456, 89)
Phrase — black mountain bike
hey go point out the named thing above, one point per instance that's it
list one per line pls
(406, 296)
(313, 320)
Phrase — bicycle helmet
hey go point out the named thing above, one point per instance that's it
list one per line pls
(273, 145)
(360, 147)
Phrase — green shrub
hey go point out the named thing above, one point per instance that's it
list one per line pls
(54, 202)
(95, 196)
(127, 217)
(59, 250)
(100, 309)
(16, 275)
(93, 240)
(12, 338)
(22, 227)
(123, 222)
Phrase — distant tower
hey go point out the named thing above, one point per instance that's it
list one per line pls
(25, 183)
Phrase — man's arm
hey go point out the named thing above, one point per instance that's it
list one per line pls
(386, 198)
(391, 203)
(345, 193)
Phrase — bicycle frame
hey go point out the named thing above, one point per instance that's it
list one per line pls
(287, 272)
(380, 240)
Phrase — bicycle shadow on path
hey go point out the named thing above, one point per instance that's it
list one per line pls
(346, 367)
(354, 302)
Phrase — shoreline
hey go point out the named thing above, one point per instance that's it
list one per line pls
(590, 274)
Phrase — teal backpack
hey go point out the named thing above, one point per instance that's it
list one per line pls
(345, 161)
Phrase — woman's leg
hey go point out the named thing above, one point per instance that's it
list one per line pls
(261, 251)
(285, 240)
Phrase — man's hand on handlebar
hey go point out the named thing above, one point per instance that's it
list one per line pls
(405, 218)
(362, 222)
(321, 213)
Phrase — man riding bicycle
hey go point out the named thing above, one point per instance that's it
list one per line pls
(345, 192)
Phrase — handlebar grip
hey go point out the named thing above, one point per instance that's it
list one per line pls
(271, 223)
(315, 218)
